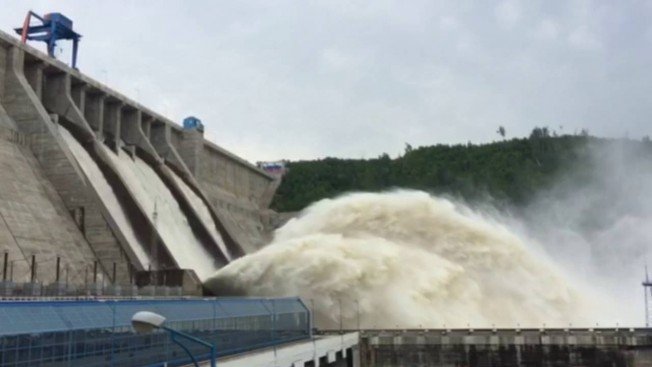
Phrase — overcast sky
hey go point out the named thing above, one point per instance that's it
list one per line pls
(308, 79)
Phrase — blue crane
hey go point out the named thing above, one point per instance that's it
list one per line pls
(53, 27)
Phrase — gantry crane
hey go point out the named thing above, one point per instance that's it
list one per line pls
(53, 27)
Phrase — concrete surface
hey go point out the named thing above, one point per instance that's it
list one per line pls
(331, 350)
(505, 347)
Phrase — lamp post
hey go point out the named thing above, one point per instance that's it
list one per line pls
(146, 321)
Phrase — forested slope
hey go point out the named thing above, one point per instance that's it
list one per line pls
(507, 172)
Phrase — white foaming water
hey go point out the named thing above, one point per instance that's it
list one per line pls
(106, 194)
(154, 197)
(407, 259)
(203, 211)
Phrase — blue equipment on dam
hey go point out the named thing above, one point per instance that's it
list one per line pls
(53, 27)
(193, 123)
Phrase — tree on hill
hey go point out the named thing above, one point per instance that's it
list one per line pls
(501, 131)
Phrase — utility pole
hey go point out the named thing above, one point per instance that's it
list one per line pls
(312, 315)
(153, 278)
(357, 309)
(340, 302)
(647, 291)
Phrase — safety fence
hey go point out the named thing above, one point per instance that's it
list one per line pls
(99, 332)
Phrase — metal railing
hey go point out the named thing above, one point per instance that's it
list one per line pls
(99, 332)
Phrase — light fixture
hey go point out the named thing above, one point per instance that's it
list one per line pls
(146, 321)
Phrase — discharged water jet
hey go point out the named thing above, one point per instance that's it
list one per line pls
(408, 259)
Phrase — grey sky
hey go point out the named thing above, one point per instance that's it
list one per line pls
(306, 79)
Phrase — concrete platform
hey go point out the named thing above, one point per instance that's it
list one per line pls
(327, 350)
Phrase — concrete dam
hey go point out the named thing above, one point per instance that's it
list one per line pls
(115, 219)
(98, 192)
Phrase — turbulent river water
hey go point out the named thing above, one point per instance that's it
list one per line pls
(409, 259)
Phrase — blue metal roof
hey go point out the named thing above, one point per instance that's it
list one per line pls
(32, 317)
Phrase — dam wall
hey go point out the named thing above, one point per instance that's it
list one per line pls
(235, 188)
(55, 205)
(507, 347)
(28, 197)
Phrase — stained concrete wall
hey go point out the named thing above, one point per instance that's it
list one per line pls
(237, 190)
(33, 218)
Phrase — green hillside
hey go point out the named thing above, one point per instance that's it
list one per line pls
(507, 172)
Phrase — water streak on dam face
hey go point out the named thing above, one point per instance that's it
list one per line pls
(164, 211)
(203, 212)
(106, 194)
(154, 196)
(407, 259)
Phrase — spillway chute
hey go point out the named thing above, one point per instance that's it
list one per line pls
(109, 198)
